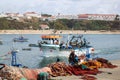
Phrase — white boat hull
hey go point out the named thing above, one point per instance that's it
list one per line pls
(56, 51)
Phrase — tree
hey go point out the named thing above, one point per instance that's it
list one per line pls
(117, 17)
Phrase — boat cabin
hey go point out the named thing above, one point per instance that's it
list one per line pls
(51, 39)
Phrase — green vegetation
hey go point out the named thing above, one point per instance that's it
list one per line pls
(85, 24)
(11, 24)
(46, 15)
(60, 24)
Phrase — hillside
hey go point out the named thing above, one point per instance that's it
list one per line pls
(60, 24)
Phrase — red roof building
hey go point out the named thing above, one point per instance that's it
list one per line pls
(83, 16)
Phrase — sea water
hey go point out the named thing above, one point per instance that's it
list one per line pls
(105, 45)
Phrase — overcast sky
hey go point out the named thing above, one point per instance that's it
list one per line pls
(61, 6)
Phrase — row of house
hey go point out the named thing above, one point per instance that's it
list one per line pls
(29, 15)
(106, 17)
(18, 16)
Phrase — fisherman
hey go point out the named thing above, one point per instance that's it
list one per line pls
(21, 37)
(66, 46)
(58, 59)
(88, 55)
(62, 45)
(73, 59)
(56, 41)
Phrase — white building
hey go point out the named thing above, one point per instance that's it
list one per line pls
(59, 16)
(12, 14)
(106, 17)
(3, 15)
(29, 15)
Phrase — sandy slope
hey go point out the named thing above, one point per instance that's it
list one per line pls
(57, 32)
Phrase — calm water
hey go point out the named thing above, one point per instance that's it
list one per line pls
(106, 46)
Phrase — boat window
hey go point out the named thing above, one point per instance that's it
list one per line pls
(43, 38)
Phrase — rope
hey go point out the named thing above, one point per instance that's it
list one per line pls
(5, 54)
(4, 57)
(19, 61)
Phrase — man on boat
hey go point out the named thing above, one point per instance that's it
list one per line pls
(21, 37)
(57, 42)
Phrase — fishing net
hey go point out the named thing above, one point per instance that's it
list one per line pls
(15, 73)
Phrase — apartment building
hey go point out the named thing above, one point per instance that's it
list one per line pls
(106, 17)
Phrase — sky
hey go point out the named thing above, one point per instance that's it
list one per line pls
(61, 6)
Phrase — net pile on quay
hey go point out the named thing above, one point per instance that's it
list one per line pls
(56, 69)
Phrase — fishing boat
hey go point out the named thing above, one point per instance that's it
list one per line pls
(26, 49)
(20, 39)
(50, 41)
(33, 45)
(53, 44)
